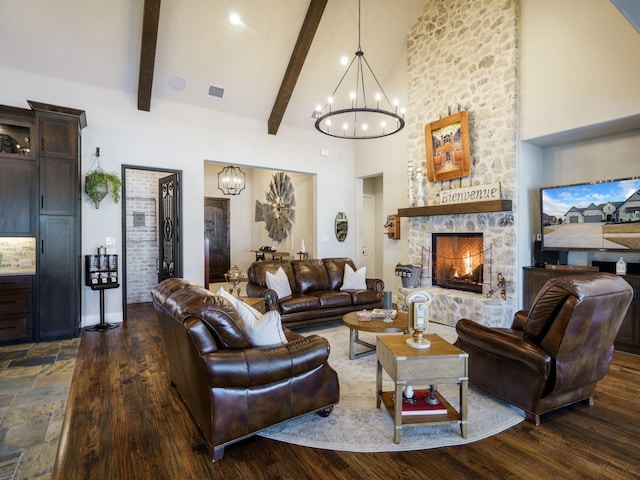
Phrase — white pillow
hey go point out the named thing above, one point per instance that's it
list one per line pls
(262, 330)
(228, 297)
(279, 283)
(354, 280)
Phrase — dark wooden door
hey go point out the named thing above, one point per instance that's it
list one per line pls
(216, 233)
(169, 228)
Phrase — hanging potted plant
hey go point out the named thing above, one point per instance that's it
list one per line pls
(99, 183)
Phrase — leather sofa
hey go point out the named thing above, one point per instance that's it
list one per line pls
(231, 389)
(554, 354)
(315, 290)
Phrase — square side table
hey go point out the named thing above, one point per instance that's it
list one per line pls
(441, 363)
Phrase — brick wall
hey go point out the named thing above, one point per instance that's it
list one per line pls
(142, 233)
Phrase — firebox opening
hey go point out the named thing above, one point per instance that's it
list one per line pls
(458, 261)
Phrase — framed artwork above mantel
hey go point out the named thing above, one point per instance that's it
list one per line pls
(447, 147)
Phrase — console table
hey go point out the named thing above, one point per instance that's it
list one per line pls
(275, 255)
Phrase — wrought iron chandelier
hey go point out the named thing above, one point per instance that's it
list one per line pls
(359, 120)
(231, 180)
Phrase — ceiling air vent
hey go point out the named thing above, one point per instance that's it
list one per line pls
(216, 92)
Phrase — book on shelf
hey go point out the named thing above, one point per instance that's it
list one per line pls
(420, 406)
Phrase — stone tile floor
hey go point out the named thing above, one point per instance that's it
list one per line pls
(34, 386)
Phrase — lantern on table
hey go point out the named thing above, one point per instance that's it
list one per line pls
(234, 276)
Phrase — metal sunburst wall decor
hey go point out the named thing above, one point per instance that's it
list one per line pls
(277, 212)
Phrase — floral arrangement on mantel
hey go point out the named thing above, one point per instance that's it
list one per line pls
(99, 183)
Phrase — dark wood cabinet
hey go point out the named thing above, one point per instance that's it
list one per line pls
(58, 186)
(17, 197)
(58, 136)
(16, 308)
(59, 263)
(59, 278)
(40, 197)
(18, 169)
(628, 338)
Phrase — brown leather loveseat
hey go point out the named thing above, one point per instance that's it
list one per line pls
(554, 354)
(232, 389)
(315, 285)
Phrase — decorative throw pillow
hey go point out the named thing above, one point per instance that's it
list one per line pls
(279, 283)
(263, 330)
(354, 280)
(227, 296)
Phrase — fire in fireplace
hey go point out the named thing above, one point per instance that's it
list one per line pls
(458, 260)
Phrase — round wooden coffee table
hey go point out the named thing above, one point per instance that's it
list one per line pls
(375, 325)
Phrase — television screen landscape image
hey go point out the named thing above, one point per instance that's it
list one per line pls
(592, 216)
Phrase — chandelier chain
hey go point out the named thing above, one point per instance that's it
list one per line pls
(358, 120)
(359, 27)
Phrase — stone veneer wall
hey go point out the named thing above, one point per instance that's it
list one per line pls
(463, 55)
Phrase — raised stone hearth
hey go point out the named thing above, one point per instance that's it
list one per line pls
(449, 306)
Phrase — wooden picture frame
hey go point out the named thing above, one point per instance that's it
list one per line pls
(448, 152)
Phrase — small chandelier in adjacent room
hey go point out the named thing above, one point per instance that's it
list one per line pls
(231, 180)
(356, 119)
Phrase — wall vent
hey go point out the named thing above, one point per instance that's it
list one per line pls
(216, 92)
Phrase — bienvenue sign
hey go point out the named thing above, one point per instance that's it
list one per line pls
(476, 193)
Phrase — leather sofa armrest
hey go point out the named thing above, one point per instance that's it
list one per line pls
(519, 320)
(270, 297)
(253, 367)
(375, 284)
(502, 343)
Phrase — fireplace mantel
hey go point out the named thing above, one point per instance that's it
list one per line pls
(457, 209)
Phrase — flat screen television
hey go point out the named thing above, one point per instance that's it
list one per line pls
(602, 216)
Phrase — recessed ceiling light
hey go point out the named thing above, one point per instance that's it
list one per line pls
(234, 19)
(177, 83)
(344, 60)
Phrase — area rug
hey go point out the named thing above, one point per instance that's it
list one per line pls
(356, 425)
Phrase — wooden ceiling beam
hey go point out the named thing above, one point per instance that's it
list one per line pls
(150, 22)
(305, 37)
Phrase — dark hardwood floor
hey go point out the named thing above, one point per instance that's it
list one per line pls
(123, 421)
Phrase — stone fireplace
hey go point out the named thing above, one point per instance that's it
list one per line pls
(449, 71)
(480, 299)
(458, 261)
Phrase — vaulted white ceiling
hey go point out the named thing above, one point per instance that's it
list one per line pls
(98, 42)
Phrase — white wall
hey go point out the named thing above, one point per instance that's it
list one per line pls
(579, 65)
(179, 137)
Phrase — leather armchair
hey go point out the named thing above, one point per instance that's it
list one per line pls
(554, 354)
(231, 389)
